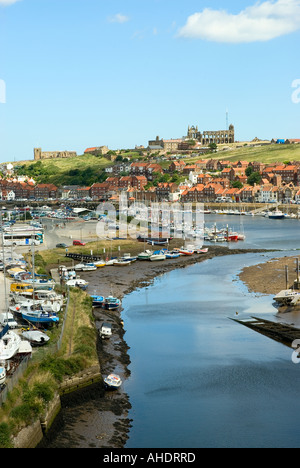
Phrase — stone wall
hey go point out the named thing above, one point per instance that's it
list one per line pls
(32, 436)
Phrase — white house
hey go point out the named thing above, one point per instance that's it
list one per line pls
(267, 194)
(7, 195)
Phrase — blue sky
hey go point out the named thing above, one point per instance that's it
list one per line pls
(82, 73)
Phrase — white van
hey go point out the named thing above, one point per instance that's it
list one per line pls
(105, 330)
(8, 319)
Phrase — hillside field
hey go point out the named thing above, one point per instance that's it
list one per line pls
(87, 169)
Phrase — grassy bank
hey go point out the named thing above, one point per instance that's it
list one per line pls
(48, 368)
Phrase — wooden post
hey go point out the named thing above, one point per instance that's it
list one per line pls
(287, 276)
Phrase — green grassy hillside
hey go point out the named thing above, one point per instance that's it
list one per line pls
(82, 170)
(87, 169)
(265, 154)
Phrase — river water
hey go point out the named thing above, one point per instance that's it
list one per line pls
(199, 379)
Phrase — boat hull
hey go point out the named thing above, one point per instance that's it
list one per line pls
(42, 318)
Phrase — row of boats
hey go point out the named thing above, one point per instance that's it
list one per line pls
(31, 305)
(127, 259)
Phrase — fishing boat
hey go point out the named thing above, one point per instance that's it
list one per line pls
(111, 303)
(276, 215)
(98, 301)
(39, 316)
(113, 381)
(2, 376)
(35, 314)
(100, 264)
(36, 337)
(232, 237)
(158, 255)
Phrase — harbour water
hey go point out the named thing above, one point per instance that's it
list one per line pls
(199, 379)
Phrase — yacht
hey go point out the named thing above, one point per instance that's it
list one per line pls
(9, 344)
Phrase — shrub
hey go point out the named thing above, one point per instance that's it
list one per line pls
(5, 436)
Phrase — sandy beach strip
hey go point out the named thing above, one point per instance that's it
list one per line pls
(270, 277)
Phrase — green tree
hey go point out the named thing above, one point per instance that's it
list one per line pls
(249, 171)
(254, 178)
(237, 184)
(213, 147)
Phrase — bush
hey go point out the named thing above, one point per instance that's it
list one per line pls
(5, 436)
(60, 367)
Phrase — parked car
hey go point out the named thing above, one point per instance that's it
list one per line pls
(78, 242)
(61, 246)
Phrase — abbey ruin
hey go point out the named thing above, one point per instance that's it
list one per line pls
(39, 154)
(207, 137)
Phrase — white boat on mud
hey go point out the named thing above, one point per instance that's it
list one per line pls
(113, 381)
(145, 255)
(158, 255)
(85, 267)
(287, 296)
(77, 283)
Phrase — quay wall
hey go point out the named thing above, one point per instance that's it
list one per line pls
(31, 436)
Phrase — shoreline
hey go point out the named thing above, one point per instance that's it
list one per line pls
(113, 425)
(270, 277)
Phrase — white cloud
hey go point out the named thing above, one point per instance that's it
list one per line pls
(118, 18)
(8, 2)
(260, 22)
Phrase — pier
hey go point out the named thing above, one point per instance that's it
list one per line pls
(281, 332)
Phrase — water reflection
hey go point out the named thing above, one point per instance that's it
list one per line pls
(199, 379)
